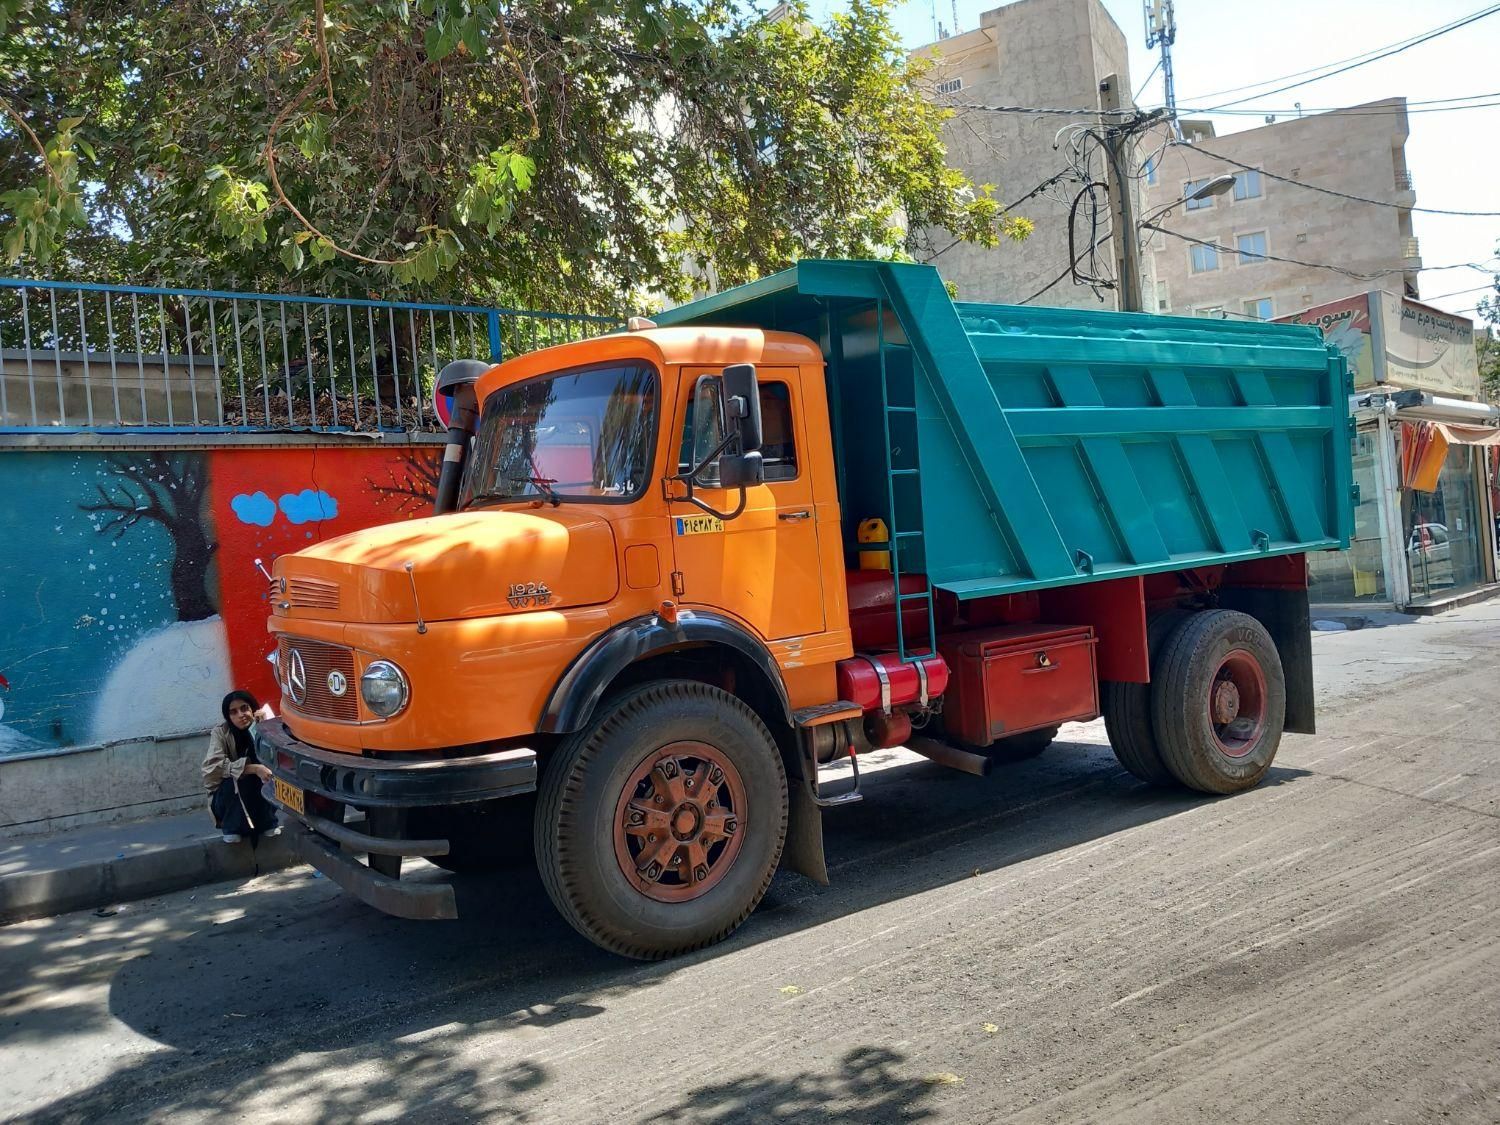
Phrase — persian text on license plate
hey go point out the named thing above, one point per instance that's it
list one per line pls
(289, 796)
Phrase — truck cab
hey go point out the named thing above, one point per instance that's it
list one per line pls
(642, 620)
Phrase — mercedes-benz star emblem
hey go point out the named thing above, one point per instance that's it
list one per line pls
(337, 684)
(296, 677)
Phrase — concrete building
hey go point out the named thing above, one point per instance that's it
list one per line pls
(1043, 53)
(1360, 151)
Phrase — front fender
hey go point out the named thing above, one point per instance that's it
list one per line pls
(578, 692)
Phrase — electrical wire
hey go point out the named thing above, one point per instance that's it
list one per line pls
(1459, 292)
(1188, 111)
(1355, 274)
(1330, 191)
(1384, 54)
(1068, 269)
(1411, 41)
(1146, 81)
(1041, 187)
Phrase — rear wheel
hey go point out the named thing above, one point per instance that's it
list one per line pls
(659, 825)
(1127, 708)
(1219, 705)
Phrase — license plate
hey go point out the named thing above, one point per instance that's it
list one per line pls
(290, 797)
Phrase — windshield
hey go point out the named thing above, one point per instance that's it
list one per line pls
(577, 435)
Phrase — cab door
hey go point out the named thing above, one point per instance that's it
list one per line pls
(763, 566)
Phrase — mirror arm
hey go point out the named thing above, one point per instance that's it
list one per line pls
(725, 516)
(691, 476)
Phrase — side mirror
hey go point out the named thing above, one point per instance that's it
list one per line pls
(742, 406)
(741, 470)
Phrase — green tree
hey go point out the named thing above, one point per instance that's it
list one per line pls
(1489, 364)
(571, 156)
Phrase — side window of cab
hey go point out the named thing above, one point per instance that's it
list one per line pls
(778, 446)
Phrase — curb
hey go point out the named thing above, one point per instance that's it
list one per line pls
(60, 890)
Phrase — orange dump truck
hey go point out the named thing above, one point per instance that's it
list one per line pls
(673, 572)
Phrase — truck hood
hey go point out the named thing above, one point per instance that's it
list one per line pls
(464, 564)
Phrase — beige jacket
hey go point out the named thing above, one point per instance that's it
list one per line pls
(223, 758)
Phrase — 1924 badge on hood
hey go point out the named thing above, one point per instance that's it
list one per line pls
(528, 595)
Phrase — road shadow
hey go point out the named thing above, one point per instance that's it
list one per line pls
(244, 982)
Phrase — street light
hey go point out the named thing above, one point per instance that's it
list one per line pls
(1216, 186)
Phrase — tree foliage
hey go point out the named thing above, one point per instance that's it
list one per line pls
(573, 156)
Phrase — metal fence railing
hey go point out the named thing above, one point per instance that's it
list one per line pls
(86, 356)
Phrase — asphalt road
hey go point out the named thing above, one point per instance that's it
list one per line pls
(1054, 943)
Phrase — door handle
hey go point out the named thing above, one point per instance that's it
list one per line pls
(792, 517)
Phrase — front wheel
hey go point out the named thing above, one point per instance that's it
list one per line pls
(1218, 706)
(660, 824)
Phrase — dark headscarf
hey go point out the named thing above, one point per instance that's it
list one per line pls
(244, 742)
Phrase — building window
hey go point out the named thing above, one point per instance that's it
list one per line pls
(950, 85)
(1163, 297)
(1259, 308)
(1197, 204)
(1152, 168)
(1252, 248)
(1247, 185)
(1203, 258)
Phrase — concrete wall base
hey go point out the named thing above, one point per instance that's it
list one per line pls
(52, 791)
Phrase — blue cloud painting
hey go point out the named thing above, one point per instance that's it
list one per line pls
(257, 509)
(308, 506)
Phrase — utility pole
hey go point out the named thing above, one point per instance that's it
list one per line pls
(1117, 134)
(1161, 31)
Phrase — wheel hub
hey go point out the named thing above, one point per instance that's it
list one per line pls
(677, 821)
(1226, 701)
(1237, 703)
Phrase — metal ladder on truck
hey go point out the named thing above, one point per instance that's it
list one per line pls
(898, 535)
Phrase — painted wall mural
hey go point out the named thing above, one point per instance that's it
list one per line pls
(130, 601)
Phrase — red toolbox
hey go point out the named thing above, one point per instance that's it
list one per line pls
(1017, 678)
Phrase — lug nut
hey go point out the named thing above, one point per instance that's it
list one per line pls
(700, 872)
(730, 825)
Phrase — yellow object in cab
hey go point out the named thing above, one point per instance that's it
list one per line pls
(874, 544)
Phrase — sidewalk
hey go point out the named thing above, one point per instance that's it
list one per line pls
(104, 864)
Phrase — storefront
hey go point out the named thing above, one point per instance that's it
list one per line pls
(1424, 457)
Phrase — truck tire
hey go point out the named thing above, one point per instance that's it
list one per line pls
(1020, 747)
(660, 824)
(1127, 708)
(1220, 702)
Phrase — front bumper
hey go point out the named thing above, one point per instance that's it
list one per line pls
(388, 783)
(386, 789)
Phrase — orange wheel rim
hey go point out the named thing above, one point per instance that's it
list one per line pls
(679, 822)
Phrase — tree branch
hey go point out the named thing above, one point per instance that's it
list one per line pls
(36, 143)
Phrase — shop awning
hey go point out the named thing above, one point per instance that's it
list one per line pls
(1469, 435)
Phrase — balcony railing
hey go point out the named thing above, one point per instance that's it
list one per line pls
(110, 357)
(1411, 249)
(1404, 181)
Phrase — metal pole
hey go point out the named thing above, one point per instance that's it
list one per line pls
(1116, 147)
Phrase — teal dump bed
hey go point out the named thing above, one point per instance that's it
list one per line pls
(1015, 448)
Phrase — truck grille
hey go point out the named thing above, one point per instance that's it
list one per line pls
(305, 593)
(315, 664)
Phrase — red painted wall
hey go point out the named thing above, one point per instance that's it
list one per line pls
(268, 502)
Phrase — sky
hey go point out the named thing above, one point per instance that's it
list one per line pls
(1454, 157)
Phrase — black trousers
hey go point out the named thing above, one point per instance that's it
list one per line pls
(229, 812)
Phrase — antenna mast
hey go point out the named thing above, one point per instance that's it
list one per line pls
(1161, 30)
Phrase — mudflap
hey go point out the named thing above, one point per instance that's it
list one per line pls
(803, 851)
(1287, 617)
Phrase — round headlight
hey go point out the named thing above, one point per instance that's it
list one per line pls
(383, 688)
